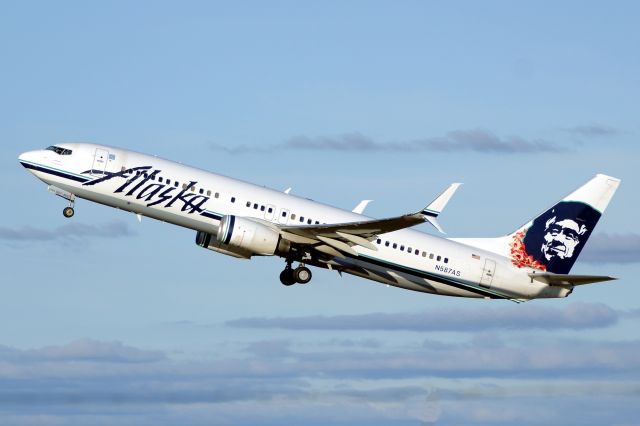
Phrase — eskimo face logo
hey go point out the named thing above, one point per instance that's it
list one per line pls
(554, 239)
(561, 238)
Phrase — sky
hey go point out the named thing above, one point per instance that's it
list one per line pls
(111, 321)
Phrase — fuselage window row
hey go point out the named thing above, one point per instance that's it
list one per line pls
(414, 251)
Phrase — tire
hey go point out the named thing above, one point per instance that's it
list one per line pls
(67, 212)
(302, 275)
(286, 277)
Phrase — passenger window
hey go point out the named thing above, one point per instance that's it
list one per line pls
(261, 208)
(284, 214)
(424, 254)
(446, 260)
(176, 183)
(431, 256)
(386, 243)
(168, 182)
(248, 203)
(160, 179)
(417, 252)
(409, 250)
(217, 195)
(184, 185)
(255, 206)
(201, 191)
(401, 248)
(233, 199)
(193, 189)
(317, 223)
(209, 193)
(395, 245)
(378, 241)
(438, 258)
(270, 210)
(293, 216)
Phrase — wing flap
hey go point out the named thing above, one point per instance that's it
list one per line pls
(339, 245)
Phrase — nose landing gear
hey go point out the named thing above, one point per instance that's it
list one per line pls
(290, 276)
(71, 198)
(67, 212)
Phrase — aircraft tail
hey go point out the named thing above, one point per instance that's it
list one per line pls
(553, 240)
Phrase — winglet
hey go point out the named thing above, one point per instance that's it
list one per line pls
(360, 207)
(432, 211)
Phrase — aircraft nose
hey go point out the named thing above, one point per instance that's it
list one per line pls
(27, 159)
(26, 156)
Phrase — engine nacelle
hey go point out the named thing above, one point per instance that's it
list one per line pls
(208, 241)
(246, 234)
(242, 237)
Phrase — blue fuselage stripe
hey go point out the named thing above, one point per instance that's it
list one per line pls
(54, 172)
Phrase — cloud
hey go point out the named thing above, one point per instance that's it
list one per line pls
(573, 316)
(69, 232)
(83, 350)
(475, 140)
(317, 386)
(612, 248)
(592, 130)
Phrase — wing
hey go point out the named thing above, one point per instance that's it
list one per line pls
(336, 238)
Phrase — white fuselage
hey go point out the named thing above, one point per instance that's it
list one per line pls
(197, 199)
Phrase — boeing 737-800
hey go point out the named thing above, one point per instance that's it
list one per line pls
(241, 219)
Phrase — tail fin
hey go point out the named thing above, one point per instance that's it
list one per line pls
(554, 239)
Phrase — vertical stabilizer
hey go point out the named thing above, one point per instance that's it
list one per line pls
(554, 239)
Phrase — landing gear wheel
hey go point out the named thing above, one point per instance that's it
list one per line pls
(67, 212)
(286, 277)
(302, 274)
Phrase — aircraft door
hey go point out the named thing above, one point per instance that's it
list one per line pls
(99, 162)
(487, 273)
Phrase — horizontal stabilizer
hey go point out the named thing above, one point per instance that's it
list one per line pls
(566, 280)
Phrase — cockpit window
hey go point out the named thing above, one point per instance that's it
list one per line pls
(59, 151)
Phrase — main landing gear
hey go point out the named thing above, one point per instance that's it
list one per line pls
(290, 276)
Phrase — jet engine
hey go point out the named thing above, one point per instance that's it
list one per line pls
(243, 237)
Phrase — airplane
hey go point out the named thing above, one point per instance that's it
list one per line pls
(243, 220)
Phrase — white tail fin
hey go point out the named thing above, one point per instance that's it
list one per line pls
(553, 240)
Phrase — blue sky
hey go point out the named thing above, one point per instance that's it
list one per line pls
(111, 321)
